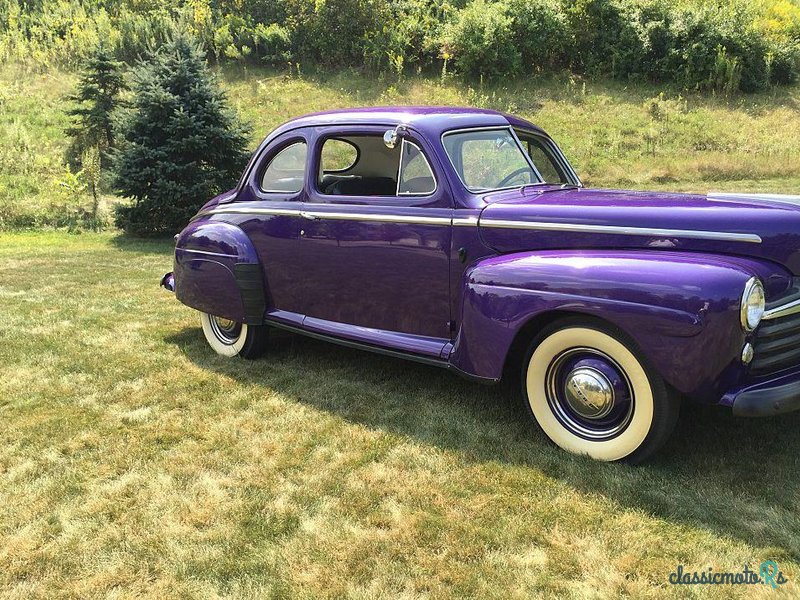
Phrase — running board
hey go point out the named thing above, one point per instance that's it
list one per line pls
(426, 360)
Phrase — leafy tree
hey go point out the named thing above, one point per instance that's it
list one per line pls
(97, 97)
(179, 143)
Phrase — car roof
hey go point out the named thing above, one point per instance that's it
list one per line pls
(432, 120)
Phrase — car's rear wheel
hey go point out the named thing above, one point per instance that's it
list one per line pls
(229, 338)
(592, 392)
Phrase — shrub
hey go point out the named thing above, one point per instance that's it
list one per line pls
(481, 41)
(333, 32)
(606, 40)
(411, 33)
(272, 43)
(708, 49)
(738, 44)
(698, 46)
(178, 145)
(139, 33)
(541, 34)
(785, 63)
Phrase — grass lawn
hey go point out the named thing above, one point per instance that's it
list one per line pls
(134, 462)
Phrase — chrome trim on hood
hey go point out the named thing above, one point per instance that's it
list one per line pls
(751, 238)
(774, 198)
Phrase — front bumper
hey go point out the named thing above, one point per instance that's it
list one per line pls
(774, 396)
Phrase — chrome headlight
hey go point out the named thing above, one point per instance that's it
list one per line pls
(753, 302)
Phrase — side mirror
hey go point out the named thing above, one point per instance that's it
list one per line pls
(391, 136)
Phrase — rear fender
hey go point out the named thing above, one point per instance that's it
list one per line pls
(217, 271)
(681, 309)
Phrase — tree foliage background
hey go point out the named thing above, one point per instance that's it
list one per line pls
(179, 143)
(698, 44)
(96, 100)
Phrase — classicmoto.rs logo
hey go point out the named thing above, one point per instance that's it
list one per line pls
(767, 574)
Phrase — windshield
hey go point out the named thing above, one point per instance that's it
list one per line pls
(489, 159)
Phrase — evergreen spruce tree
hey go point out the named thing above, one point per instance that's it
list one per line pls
(97, 97)
(178, 145)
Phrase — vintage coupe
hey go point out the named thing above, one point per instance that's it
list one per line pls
(463, 238)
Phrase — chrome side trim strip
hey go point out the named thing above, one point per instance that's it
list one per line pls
(339, 216)
(621, 230)
(243, 210)
(206, 252)
(472, 221)
(378, 217)
(787, 309)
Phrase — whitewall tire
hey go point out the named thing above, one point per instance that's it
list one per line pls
(229, 338)
(593, 393)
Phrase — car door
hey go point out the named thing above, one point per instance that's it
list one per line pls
(375, 252)
(270, 215)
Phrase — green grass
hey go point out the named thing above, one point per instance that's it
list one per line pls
(616, 135)
(135, 462)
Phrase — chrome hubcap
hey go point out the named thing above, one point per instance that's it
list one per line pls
(589, 393)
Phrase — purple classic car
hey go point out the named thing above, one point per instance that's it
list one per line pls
(462, 238)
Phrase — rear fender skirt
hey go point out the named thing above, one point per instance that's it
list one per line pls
(217, 271)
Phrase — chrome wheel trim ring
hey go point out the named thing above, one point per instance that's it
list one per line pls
(225, 330)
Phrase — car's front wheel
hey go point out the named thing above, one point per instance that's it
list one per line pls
(229, 338)
(592, 392)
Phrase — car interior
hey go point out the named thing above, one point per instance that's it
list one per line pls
(364, 166)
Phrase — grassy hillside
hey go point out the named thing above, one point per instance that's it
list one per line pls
(616, 135)
(134, 462)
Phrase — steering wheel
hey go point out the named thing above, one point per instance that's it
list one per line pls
(511, 177)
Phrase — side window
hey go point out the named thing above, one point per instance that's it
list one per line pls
(416, 176)
(285, 173)
(362, 165)
(543, 158)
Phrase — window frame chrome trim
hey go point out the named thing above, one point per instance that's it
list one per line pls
(555, 147)
(289, 143)
(559, 155)
(526, 155)
(479, 192)
(400, 170)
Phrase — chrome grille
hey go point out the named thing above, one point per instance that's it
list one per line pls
(777, 341)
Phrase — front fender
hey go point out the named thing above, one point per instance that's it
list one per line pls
(681, 309)
(217, 271)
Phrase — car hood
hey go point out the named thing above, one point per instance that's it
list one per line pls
(760, 226)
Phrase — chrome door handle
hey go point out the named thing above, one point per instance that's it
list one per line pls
(308, 215)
